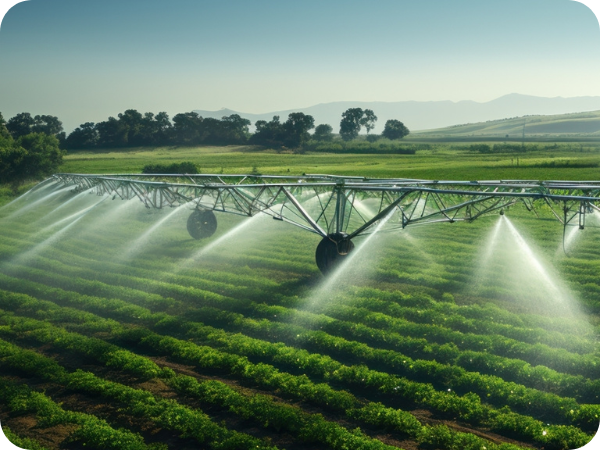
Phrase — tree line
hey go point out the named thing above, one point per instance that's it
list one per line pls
(133, 129)
(29, 149)
(33, 146)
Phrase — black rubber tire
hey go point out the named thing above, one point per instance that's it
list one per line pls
(332, 250)
(202, 224)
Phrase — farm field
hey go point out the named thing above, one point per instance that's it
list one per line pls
(118, 330)
(579, 161)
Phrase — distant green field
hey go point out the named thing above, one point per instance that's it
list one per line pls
(441, 162)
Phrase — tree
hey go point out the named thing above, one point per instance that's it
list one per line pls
(323, 132)
(112, 133)
(187, 128)
(350, 123)
(211, 131)
(394, 129)
(296, 129)
(84, 136)
(235, 128)
(163, 128)
(32, 156)
(23, 124)
(49, 125)
(4, 133)
(368, 119)
(269, 134)
(20, 125)
(132, 122)
(11, 162)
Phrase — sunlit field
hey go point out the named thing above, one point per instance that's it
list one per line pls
(119, 330)
(440, 162)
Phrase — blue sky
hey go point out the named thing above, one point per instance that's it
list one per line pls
(86, 60)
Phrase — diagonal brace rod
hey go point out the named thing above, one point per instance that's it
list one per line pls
(309, 219)
(379, 216)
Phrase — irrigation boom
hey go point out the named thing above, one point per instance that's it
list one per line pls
(339, 208)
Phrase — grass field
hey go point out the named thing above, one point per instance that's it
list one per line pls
(115, 334)
(442, 162)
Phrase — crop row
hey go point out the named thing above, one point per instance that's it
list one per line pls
(167, 414)
(468, 406)
(557, 358)
(139, 366)
(461, 257)
(416, 320)
(425, 310)
(400, 332)
(492, 388)
(259, 408)
(475, 361)
(447, 345)
(538, 354)
(521, 327)
(482, 319)
(308, 427)
(444, 366)
(91, 431)
(22, 442)
(355, 329)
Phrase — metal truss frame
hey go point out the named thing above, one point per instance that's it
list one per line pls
(328, 204)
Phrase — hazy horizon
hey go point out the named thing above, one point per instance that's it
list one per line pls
(85, 61)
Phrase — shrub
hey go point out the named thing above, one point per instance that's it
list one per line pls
(183, 167)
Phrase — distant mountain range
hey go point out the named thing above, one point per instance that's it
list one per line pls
(436, 114)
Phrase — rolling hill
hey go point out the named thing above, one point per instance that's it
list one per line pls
(575, 124)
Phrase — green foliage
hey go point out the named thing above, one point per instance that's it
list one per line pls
(394, 129)
(23, 124)
(20, 125)
(512, 148)
(293, 133)
(85, 136)
(468, 407)
(296, 129)
(351, 123)
(323, 133)
(174, 168)
(31, 156)
(97, 433)
(481, 148)
(4, 133)
(134, 129)
(369, 147)
(25, 443)
(91, 431)
(387, 418)
(368, 120)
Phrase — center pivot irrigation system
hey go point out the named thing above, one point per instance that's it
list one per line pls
(340, 208)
